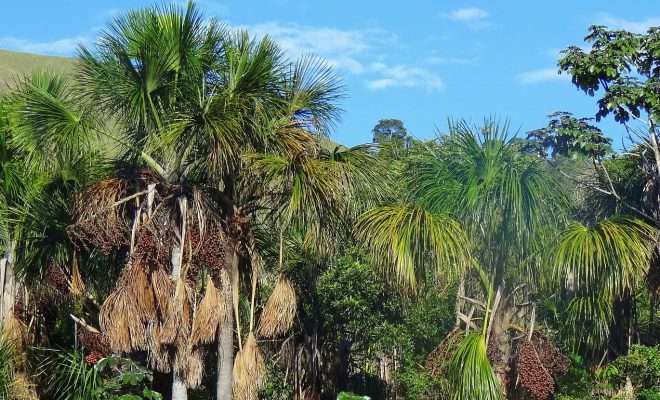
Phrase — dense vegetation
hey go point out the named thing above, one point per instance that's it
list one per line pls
(177, 224)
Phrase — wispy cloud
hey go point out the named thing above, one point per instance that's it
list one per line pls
(344, 49)
(473, 17)
(357, 52)
(404, 76)
(437, 60)
(640, 26)
(64, 46)
(540, 75)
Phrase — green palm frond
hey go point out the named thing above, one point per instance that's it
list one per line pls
(49, 126)
(505, 199)
(471, 376)
(405, 239)
(588, 321)
(68, 376)
(607, 257)
(313, 90)
(7, 355)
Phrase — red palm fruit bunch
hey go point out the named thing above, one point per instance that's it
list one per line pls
(57, 278)
(93, 357)
(538, 362)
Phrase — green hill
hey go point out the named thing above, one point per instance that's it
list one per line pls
(14, 64)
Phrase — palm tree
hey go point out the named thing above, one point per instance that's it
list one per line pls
(605, 262)
(47, 155)
(203, 114)
(479, 182)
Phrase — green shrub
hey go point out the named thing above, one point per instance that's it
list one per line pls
(349, 396)
(642, 366)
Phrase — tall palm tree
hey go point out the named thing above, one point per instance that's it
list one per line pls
(202, 115)
(480, 182)
(47, 154)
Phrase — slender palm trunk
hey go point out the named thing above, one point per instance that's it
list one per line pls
(226, 355)
(8, 287)
(225, 380)
(179, 390)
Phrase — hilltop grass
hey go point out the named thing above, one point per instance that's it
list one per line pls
(15, 64)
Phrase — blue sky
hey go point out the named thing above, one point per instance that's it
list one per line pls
(419, 61)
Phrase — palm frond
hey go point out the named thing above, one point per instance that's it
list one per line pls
(68, 376)
(471, 376)
(50, 126)
(405, 239)
(607, 257)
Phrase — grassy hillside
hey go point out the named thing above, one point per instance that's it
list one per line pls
(14, 64)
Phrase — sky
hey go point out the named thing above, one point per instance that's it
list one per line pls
(422, 62)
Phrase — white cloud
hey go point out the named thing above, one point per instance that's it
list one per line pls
(436, 60)
(473, 17)
(641, 26)
(467, 14)
(344, 49)
(381, 83)
(540, 75)
(358, 52)
(404, 76)
(65, 46)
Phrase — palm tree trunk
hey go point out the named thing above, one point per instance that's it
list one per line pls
(179, 390)
(224, 383)
(8, 287)
(226, 356)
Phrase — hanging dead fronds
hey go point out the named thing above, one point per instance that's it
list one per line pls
(190, 364)
(162, 286)
(249, 371)
(159, 356)
(280, 310)
(176, 327)
(14, 331)
(210, 316)
(128, 311)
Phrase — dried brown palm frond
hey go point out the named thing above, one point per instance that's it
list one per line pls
(162, 287)
(213, 312)
(77, 285)
(159, 355)
(249, 370)
(128, 311)
(138, 287)
(14, 331)
(280, 310)
(190, 363)
(286, 356)
(176, 326)
(21, 388)
(101, 221)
